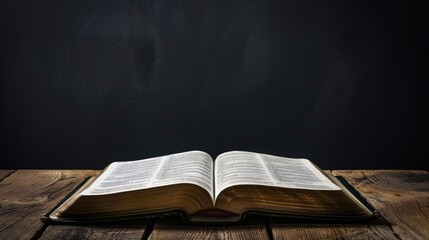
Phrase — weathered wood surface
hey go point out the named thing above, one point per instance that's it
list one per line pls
(26, 195)
(5, 173)
(169, 229)
(401, 196)
(108, 231)
(282, 229)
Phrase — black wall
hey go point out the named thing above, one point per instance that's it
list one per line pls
(343, 83)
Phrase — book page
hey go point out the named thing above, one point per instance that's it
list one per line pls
(193, 167)
(247, 168)
(236, 168)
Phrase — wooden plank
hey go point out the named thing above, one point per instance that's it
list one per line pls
(287, 229)
(126, 230)
(27, 194)
(293, 229)
(5, 173)
(401, 196)
(173, 229)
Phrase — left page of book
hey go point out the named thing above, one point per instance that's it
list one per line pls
(194, 167)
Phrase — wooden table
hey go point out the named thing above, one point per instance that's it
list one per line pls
(401, 196)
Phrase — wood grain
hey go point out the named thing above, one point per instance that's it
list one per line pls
(172, 229)
(119, 231)
(27, 194)
(282, 229)
(5, 173)
(401, 196)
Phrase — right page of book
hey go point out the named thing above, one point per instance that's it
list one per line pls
(248, 168)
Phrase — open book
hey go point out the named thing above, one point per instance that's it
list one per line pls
(207, 190)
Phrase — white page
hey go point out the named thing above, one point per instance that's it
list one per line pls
(193, 167)
(296, 173)
(236, 168)
(247, 168)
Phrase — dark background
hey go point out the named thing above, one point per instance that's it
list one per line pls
(85, 83)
